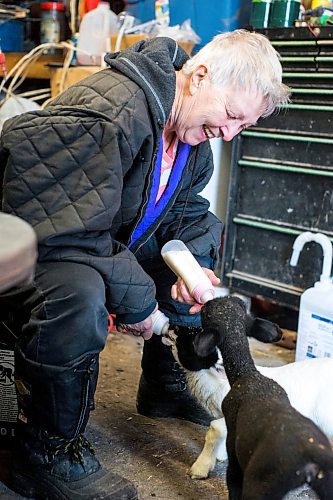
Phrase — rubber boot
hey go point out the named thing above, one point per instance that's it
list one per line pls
(162, 388)
(52, 459)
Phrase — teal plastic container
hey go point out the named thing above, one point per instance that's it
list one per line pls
(260, 13)
(284, 13)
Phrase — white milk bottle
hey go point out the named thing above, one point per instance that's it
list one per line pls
(94, 34)
(181, 261)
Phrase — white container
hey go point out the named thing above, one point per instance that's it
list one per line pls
(94, 34)
(162, 12)
(315, 321)
(180, 260)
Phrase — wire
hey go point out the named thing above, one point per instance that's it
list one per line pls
(20, 70)
(66, 65)
(312, 31)
(73, 15)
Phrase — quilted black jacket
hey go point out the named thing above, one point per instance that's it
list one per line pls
(79, 172)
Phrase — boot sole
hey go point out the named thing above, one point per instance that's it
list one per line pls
(22, 485)
(167, 413)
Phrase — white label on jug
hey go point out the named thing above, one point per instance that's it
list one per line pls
(8, 402)
(314, 337)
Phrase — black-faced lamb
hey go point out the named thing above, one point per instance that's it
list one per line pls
(272, 448)
(307, 383)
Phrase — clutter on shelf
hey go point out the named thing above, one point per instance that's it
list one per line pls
(289, 13)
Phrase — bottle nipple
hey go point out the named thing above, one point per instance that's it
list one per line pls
(160, 323)
(207, 295)
(203, 292)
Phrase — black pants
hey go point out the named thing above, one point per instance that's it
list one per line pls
(62, 325)
(63, 315)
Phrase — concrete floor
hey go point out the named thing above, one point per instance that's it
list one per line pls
(153, 454)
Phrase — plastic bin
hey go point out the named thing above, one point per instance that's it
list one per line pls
(12, 36)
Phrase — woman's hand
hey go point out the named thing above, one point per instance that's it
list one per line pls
(181, 293)
(142, 329)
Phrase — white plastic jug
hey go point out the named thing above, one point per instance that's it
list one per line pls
(315, 321)
(94, 34)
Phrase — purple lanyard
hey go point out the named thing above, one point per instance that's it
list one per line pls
(153, 209)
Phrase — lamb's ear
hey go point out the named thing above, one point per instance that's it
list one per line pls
(205, 343)
(264, 330)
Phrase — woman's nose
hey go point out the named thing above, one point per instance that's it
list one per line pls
(230, 131)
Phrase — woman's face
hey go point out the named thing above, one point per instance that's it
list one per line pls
(207, 112)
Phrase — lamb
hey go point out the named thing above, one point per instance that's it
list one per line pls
(307, 384)
(272, 448)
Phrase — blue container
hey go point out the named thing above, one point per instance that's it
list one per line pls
(12, 36)
(207, 21)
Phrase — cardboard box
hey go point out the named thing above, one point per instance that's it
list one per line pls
(129, 40)
(73, 75)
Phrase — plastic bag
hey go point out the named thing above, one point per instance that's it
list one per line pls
(14, 106)
(180, 33)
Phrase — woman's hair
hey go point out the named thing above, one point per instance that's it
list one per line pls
(244, 60)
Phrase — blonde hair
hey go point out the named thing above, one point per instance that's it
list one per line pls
(243, 59)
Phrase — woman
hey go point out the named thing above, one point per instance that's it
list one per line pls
(106, 174)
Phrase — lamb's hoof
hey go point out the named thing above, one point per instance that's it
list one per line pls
(196, 472)
(223, 456)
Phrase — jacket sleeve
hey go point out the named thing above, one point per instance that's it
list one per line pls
(64, 175)
(190, 219)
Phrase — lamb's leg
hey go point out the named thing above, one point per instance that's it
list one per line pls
(214, 448)
(265, 479)
(234, 477)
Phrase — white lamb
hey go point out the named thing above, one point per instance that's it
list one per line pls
(308, 385)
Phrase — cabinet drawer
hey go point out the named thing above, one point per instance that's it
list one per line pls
(300, 118)
(286, 195)
(300, 149)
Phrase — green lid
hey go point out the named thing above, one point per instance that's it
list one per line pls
(286, 1)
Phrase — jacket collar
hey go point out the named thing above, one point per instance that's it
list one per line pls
(152, 64)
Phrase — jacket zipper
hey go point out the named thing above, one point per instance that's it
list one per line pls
(85, 396)
(144, 204)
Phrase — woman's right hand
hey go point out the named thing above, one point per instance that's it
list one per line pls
(142, 329)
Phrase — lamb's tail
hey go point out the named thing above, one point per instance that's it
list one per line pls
(319, 473)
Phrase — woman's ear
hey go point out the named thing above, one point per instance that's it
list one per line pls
(205, 343)
(197, 78)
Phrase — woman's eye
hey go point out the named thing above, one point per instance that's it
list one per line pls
(230, 115)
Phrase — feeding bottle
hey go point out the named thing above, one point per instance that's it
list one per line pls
(315, 320)
(94, 34)
(181, 261)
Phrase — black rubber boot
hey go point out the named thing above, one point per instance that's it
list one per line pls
(162, 388)
(52, 459)
(48, 467)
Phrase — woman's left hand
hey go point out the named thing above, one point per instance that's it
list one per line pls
(181, 293)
